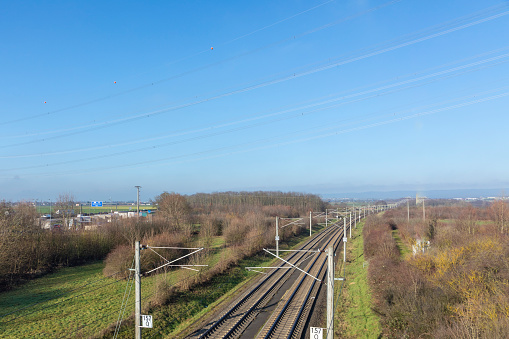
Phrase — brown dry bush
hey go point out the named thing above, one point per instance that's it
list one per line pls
(119, 261)
(235, 231)
(409, 306)
(458, 289)
(378, 240)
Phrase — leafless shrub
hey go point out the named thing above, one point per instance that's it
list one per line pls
(119, 261)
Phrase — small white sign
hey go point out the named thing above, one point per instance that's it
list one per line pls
(146, 321)
(316, 333)
(345, 239)
(277, 238)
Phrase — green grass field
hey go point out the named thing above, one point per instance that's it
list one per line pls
(87, 209)
(354, 317)
(77, 296)
(79, 302)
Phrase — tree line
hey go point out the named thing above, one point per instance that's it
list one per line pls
(242, 219)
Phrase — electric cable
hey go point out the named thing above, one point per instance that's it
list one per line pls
(167, 79)
(122, 307)
(396, 44)
(307, 130)
(441, 75)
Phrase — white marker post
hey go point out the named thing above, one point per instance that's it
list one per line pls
(316, 333)
(146, 321)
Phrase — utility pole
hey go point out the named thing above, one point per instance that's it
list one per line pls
(330, 292)
(138, 201)
(277, 236)
(137, 291)
(423, 211)
(310, 221)
(325, 218)
(350, 224)
(355, 216)
(344, 240)
(408, 210)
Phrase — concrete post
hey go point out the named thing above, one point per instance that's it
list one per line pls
(330, 292)
(350, 224)
(310, 221)
(277, 236)
(137, 291)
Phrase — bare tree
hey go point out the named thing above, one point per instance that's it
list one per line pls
(65, 208)
(174, 208)
(498, 210)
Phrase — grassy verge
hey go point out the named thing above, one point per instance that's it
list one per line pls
(79, 302)
(404, 250)
(354, 317)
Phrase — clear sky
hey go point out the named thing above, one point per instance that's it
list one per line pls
(199, 96)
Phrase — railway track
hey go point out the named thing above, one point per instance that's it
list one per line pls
(239, 315)
(293, 311)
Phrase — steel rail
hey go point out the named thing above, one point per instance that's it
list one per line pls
(299, 315)
(216, 326)
(270, 333)
(304, 302)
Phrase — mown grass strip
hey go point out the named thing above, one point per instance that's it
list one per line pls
(404, 250)
(354, 317)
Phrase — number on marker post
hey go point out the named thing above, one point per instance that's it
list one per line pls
(146, 321)
(316, 333)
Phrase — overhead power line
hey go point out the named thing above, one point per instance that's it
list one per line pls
(436, 31)
(277, 113)
(321, 135)
(174, 62)
(388, 90)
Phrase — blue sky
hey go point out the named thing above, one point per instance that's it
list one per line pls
(202, 96)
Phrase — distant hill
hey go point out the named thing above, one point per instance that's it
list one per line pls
(432, 194)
